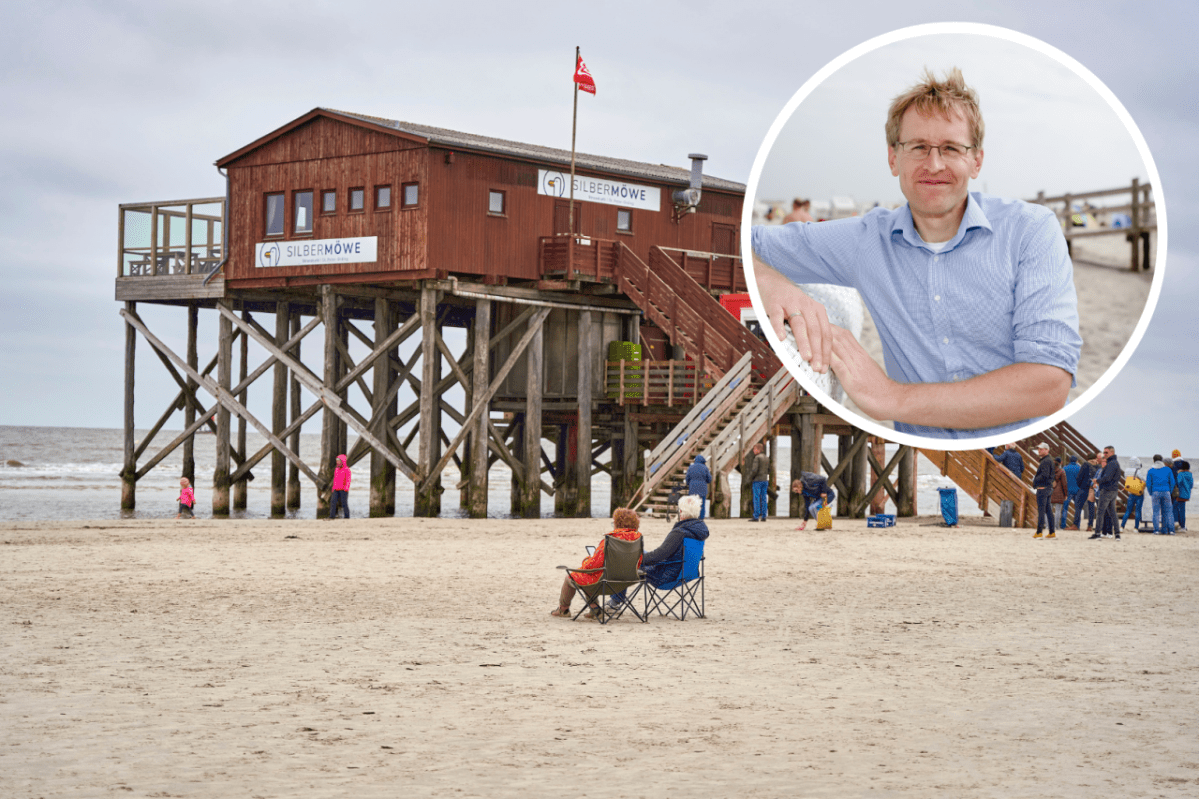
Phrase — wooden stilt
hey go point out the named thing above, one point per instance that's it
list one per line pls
(239, 487)
(588, 353)
(329, 420)
(293, 471)
(427, 501)
(530, 505)
(220, 474)
(383, 475)
(857, 495)
(796, 507)
(340, 368)
(189, 412)
(279, 414)
(564, 469)
(518, 453)
(129, 471)
(878, 502)
(480, 399)
(907, 483)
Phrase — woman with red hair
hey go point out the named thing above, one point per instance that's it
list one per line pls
(626, 523)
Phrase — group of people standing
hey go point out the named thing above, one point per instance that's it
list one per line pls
(1094, 485)
(813, 488)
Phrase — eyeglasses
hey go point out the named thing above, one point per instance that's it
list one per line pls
(919, 150)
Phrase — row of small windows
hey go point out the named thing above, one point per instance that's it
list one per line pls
(276, 211)
(302, 204)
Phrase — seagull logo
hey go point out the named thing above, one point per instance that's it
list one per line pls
(554, 184)
(269, 255)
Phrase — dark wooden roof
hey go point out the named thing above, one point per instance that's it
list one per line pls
(443, 137)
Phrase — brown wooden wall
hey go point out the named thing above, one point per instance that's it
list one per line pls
(450, 230)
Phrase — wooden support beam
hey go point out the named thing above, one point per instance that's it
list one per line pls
(220, 475)
(293, 409)
(129, 470)
(383, 474)
(268, 448)
(427, 501)
(189, 412)
(482, 420)
(535, 324)
(224, 396)
(326, 395)
(530, 494)
(279, 414)
(907, 482)
(588, 353)
(329, 442)
(240, 498)
(857, 493)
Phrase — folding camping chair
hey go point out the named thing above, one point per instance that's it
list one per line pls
(619, 573)
(684, 593)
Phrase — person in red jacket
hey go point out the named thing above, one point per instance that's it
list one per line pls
(341, 488)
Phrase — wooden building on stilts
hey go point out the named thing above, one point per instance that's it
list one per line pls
(375, 231)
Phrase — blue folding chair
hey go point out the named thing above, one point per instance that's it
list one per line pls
(676, 596)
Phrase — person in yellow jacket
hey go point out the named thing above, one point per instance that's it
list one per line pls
(1135, 487)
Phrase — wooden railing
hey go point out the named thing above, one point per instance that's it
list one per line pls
(178, 237)
(660, 383)
(1140, 209)
(984, 478)
(754, 421)
(573, 257)
(713, 271)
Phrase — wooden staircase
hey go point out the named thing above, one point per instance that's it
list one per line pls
(986, 480)
(668, 462)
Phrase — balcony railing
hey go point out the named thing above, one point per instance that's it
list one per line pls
(180, 237)
(659, 383)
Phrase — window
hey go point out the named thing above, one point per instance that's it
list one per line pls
(274, 215)
(624, 220)
(357, 199)
(495, 202)
(329, 202)
(382, 198)
(411, 195)
(303, 202)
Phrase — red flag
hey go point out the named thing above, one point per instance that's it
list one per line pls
(583, 77)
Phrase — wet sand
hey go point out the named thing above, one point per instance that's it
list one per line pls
(361, 658)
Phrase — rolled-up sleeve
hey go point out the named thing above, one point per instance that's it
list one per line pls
(1045, 314)
(822, 252)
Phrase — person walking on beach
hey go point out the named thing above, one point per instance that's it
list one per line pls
(1109, 487)
(341, 488)
(1042, 481)
(759, 477)
(187, 500)
(698, 480)
(1081, 503)
(973, 295)
(1159, 482)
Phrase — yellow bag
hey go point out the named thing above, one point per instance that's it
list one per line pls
(824, 518)
(1134, 485)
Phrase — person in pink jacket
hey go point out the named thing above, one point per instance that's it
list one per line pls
(341, 488)
(187, 499)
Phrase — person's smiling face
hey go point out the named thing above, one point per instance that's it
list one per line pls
(934, 187)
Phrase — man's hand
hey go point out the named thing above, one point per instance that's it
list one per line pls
(1006, 395)
(786, 303)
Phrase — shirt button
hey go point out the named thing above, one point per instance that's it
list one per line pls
(944, 341)
(936, 258)
(937, 297)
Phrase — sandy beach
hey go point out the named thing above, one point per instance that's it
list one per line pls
(361, 658)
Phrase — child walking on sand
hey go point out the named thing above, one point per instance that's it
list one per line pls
(187, 498)
(341, 488)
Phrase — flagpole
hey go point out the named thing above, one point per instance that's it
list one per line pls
(574, 125)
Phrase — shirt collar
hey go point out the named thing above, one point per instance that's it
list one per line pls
(974, 217)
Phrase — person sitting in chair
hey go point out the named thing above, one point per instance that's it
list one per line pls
(626, 523)
(665, 563)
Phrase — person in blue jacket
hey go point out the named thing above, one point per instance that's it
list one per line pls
(698, 479)
(1159, 482)
(1185, 482)
(1071, 469)
(1083, 479)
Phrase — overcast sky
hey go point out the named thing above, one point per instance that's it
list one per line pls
(123, 102)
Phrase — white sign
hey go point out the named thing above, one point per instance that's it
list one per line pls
(321, 251)
(599, 190)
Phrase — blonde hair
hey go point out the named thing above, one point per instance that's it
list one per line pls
(941, 97)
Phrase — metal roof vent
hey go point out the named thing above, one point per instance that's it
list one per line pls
(687, 200)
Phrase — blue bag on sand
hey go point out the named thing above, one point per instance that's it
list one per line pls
(949, 506)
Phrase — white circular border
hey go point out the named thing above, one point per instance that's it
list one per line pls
(997, 32)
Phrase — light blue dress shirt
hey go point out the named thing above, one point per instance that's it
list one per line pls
(1000, 292)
